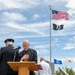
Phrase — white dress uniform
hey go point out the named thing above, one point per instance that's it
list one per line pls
(46, 69)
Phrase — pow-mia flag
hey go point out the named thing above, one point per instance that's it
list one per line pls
(57, 27)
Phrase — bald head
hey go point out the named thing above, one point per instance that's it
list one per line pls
(41, 59)
(26, 41)
(26, 44)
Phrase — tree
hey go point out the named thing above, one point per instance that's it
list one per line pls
(68, 70)
(57, 72)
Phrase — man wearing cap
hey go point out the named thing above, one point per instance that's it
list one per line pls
(7, 54)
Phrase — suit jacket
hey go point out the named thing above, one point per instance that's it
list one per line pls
(32, 56)
(7, 54)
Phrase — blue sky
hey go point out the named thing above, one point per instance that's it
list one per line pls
(30, 19)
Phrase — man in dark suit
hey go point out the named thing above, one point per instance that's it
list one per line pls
(28, 54)
(7, 54)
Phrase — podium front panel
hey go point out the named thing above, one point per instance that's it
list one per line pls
(31, 65)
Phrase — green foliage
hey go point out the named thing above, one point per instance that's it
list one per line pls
(57, 72)
(68, 70)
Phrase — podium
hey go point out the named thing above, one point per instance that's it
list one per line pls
(23, 68)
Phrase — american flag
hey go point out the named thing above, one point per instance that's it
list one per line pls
(59, 15)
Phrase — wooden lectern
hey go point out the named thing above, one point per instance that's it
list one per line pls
(23, 68)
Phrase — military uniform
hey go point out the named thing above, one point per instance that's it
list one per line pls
(6, 55)
(32, 56)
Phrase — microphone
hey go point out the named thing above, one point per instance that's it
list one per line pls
(17, 48)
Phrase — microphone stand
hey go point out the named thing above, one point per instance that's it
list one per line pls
(16, 49)
(14, 55)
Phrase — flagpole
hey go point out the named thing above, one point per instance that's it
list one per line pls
(50, 37)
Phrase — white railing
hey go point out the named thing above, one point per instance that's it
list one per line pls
(63, 71)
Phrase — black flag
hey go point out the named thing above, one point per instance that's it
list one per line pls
(57, 27)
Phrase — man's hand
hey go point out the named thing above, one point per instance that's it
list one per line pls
(25, 57)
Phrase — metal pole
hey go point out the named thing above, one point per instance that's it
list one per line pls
(50, 37)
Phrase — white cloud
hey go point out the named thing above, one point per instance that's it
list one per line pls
(36, 16)
(9, 4)
(71, 12)
(69, 46)
(71, 4)
(42, 46)
(21, 4)
(72, 40)
(17, 4)
(42, 49)
(31, 36)
(46, 2)
(13, 16)
(35, 27)
(12, 29)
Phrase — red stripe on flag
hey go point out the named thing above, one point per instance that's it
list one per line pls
(60, 15)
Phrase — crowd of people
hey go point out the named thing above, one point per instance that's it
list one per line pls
(8, 53)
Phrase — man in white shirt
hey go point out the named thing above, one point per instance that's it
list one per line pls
(46, 69)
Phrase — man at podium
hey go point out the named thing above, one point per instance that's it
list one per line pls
(7, 54)
(28, 54)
